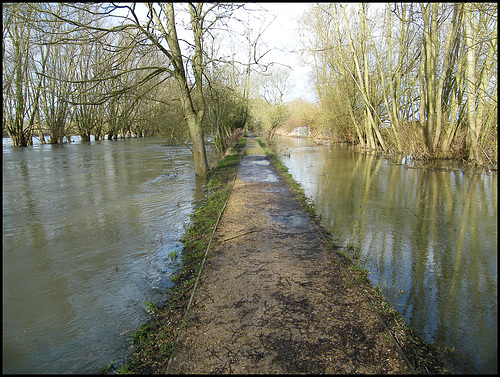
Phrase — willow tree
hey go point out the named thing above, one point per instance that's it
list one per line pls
(333, 72)
(55, 89)
(481, 45)
(436, 72)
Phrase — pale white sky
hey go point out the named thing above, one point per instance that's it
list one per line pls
(284, 37)
(284, 34)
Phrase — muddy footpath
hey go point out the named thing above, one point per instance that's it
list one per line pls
(273, 296)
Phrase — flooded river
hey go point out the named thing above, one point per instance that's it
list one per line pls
(87, 231)
(88, 227)
(428, 237)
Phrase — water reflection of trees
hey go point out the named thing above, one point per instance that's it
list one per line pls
(428, 236)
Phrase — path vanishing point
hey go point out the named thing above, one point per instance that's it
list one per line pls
(273, 297)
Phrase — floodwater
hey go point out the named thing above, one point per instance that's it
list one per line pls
(87, 233)
(427, 235)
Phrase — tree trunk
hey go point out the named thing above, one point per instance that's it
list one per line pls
(199, 152)
(474, 152)
(21, 135)
(193, 118)
(456, 100)
(430, 13)
(362, 81)
(393, 117)
(440, 88)
(358, 131)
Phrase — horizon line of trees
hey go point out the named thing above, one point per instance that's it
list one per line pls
(53, 79)
(123, 69)
(414, 78)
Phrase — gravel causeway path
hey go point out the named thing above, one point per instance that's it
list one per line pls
(273, 297)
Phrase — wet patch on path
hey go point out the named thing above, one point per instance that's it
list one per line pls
(255, 166)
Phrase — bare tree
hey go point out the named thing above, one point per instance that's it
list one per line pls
(17, 59)
(115, 43)
(184, 60)
(481, 42)
(274, 85)
(333, 72)
(362, 77)
(433, 88)
(161, 25)
(56, 88)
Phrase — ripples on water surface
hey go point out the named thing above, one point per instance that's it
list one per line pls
(87, 228)
(428, 236)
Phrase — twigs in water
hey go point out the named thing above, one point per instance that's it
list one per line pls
(239, 235)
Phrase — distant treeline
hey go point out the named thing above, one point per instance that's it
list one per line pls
(86, 69)
(412, 78)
